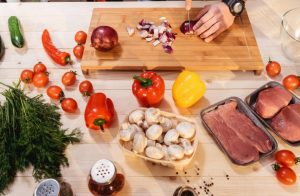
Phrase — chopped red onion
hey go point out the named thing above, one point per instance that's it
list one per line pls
(158, 34)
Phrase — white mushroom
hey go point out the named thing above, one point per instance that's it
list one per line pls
(136, 128)
(174, 122)
(136, 117)
(139, 142)
(124, 125)
(175, 152)
(166, 123)
(186, 130)
(150, 142)
(152, 116)
(187, 146)
(166, 154)
(171, 137)
(127, 134)
(160, 139)
(154, 132)
(154, 152)
(145, 125)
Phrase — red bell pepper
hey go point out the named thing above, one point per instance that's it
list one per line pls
(59, 57)
(99, 112)
(148, 88)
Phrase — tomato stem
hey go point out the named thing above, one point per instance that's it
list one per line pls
(276, 166)
(144, 81)
(100, 122)
(270, 60)
(297, 160)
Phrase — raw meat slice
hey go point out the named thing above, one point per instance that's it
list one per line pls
(287, 123)
(241, 152)
(244, 127)
(271, 100)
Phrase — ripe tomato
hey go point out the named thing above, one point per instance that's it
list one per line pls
(80, 37)
(40, 80)
(286, 158)
(86, 88)
(273, 68)
(286, 175)
(39, 68)
(69, 78)
(27, 76)
(291, 82)
(55, 92)
(78, 51)
(69, 105)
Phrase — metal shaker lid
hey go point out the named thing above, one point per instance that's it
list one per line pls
(185, 191)
(103, 171)
(48, 187)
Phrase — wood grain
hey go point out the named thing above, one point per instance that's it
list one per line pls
(143, 178)
(236, 49)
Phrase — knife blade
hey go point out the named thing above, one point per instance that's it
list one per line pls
(188, 6)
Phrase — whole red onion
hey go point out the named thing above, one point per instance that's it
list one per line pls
(187, 27)
(104, 38)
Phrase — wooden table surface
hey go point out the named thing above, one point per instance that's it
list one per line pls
(143, 178)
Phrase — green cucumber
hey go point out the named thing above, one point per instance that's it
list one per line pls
(15, 32)
(2, 48)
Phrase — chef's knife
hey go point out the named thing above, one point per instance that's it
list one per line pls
(188, 6)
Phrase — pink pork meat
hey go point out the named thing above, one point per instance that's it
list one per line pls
(240, 151)
(287, 123)
(271, 100)
(244, 127)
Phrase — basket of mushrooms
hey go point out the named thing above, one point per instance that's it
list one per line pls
(160, 137)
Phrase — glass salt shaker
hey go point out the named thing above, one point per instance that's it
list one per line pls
(104, 179)
(47, 187)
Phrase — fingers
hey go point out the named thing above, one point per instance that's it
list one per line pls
(213, 36)
(203, 11)
(207, 16)
(207, 26)
(188, 4)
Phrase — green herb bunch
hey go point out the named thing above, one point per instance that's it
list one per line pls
(31, 134)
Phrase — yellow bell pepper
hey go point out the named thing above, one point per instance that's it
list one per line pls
(187, 89)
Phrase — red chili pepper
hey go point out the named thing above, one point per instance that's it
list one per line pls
(59, 57)
(99, 112)
(148, 88)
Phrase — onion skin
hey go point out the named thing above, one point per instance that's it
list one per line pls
(185, 29)
(104, 38)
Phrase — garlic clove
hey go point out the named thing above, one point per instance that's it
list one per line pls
(186, 129)
(154, 132)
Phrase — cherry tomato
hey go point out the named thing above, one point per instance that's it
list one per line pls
(55, 92)
(40, 80)
(69, 105)
(286, 175)
(286, 158)
(291, 82)
(27, 76)
(69, 78)
(78, 51)
(86, 88)
(80, 37)
(39, 68)
(273, 68)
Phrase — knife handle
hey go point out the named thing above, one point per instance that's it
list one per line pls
(188, 4)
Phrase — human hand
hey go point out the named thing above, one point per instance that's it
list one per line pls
(213, 20)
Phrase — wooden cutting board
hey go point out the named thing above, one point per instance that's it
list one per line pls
(235, 49)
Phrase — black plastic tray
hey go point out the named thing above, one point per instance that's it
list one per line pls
(242, 107)
(251, 101)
